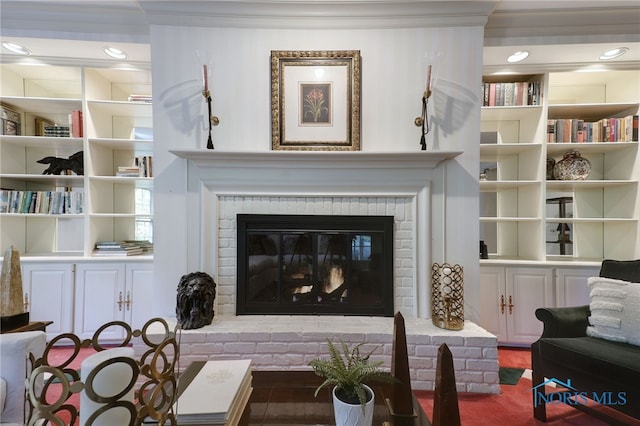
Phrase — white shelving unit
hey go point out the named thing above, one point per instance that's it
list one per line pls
(112, 208)
(516, 222)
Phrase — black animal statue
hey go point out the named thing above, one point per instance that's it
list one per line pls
(194, 307)
(57, 165)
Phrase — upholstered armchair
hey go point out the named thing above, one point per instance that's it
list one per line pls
(576, 354)
(14, 353)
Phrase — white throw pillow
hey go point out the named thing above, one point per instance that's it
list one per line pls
(615, 310)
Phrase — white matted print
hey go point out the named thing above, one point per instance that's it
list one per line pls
(315, 100)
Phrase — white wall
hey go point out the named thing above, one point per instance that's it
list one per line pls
(394, 63)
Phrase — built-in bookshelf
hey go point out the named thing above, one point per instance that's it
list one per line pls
(108, 114)
(597, 115)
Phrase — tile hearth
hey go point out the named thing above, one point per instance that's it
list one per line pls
(282, 342)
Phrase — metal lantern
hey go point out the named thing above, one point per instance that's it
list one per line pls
(447, 297)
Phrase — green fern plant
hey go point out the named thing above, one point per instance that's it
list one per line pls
(347, 371)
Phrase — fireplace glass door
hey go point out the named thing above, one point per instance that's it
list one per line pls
(315, 265)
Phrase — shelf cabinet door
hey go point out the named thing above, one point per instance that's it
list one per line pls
(48, 289)
(492, 295)
(100, 293)
(139, 288)
(571, 286)
(528, 289)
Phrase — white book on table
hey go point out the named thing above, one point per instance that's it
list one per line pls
(217, 395)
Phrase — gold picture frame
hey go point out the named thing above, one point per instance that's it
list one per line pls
(315, 100)
(40, 124)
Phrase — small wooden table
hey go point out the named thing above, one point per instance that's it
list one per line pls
(287, 398)
(32, 326)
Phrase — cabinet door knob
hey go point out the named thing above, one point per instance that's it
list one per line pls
(120, 301)
(128, 301)
(510, 306)
(502, 304)
(25, 302)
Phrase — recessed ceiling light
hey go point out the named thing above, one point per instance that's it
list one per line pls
(613, 53)
(16, 48)
(520, 55)
(115, 53)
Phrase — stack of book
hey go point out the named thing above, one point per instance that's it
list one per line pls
(56, 131)
(128, 171)
(145, 245)
(217, 395)
(140, 98)
(116, 248)
(142, 167)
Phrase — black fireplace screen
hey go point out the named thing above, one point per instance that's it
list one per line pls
(308, 264)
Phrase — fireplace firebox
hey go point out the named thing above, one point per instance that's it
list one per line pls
(315, 265)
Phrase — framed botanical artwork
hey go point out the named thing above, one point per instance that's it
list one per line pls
(315, 100)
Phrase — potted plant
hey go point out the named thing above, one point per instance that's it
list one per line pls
(349, 372)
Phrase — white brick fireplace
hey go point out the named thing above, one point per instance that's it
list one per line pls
(222, 185)
(407, 186)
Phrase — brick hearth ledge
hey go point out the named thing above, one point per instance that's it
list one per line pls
(281, 342)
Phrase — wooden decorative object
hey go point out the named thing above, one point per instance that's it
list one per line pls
(400, 404)
(445, 402)
(12, 310)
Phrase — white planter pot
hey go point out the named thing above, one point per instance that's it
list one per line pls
(352, 414)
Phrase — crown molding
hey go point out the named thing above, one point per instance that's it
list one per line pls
(128, 20)
(562, 26)
(121, 21)
(319, 14)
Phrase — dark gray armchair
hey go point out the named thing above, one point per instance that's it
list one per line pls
(590, 366)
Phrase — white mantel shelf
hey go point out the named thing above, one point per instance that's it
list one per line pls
(318, 159)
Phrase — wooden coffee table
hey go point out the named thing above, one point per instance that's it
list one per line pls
(287, 398)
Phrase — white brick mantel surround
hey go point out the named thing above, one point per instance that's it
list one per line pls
(280, 342)
(407, 186)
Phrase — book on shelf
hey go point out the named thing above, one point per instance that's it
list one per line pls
(217, 395)
(145, 165)
(140, 98)
(41, 202)
(520, 93)
(4, 201)
(103, 252)
(145, 245)
(56, 131)
(575, 130)
(116, 248)
(128, 171)
(10, 123)
(142, 167)
(75, 122)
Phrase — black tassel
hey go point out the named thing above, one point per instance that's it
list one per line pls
(209, 140)
(423, 140)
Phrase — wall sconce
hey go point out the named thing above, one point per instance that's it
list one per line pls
(213, 120)
(423, 120)
(447, 298)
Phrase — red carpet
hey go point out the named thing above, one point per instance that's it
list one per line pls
(513, 406)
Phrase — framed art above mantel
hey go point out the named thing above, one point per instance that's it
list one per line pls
(315, 100)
